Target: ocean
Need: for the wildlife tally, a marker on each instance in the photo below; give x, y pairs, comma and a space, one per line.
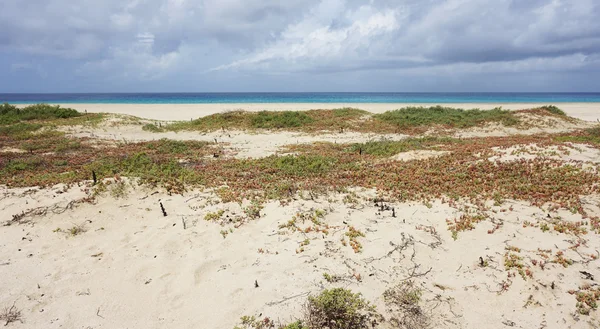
325, 97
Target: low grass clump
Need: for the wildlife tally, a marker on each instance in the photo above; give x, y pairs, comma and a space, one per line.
388, 148
466, 222
119, 189
50, 141
331, 278
27, 123
10, 114
174, 147
152, 128
19, 131
295, 325
589, 136
309, 121
587, 299
251, 322
408, 120
353, 234
340, 308
225, 120
339, 120
302, 165
512, 261
279, 120
403, 302
554, 110
410, 117
214, 216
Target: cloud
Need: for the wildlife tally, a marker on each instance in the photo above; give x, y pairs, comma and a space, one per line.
434, 32
328, 32
158, 40
137, 60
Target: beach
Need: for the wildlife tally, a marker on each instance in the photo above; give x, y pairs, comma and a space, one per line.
120, 220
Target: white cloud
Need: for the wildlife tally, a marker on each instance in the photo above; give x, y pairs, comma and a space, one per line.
157, 39
316, 38
336, 36
138, 60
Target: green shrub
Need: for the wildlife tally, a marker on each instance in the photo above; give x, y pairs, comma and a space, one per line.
349, 112
17, 165
7, 109
594, 132
10, 114
295, 325
67, 144
152, 128
229, 120
389, 148
590, 135
339, 308
251, 322
169, 146
303, 164
553, 109
287, 119
438, 115
19, 130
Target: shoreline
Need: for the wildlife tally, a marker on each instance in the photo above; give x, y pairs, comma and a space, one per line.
179, 112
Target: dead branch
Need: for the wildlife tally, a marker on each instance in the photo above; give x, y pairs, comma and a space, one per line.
286, 299
11, 314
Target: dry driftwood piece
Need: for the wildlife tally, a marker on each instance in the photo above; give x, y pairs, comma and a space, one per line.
11, 314
24, 216
163, 209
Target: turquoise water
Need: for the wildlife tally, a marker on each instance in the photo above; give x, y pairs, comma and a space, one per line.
208, 98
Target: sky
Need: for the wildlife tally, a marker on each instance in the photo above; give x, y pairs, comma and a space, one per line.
299, 45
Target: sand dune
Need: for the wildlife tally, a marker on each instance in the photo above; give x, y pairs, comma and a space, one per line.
81, 257
584, 111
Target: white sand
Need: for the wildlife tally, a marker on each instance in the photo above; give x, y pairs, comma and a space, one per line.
134, 268
131, 267
584, 111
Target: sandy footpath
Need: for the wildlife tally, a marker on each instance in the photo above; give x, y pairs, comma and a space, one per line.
584, 111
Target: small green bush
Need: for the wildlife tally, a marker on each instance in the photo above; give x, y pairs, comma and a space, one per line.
348, 112
217, 121
389, 148
19, 130
554, 110
251, 322
152, 128
10, 114
438, 115
169, 146
303, 164
295, 325
17, 165
287, 119
594, 132
590, 135
339, 308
